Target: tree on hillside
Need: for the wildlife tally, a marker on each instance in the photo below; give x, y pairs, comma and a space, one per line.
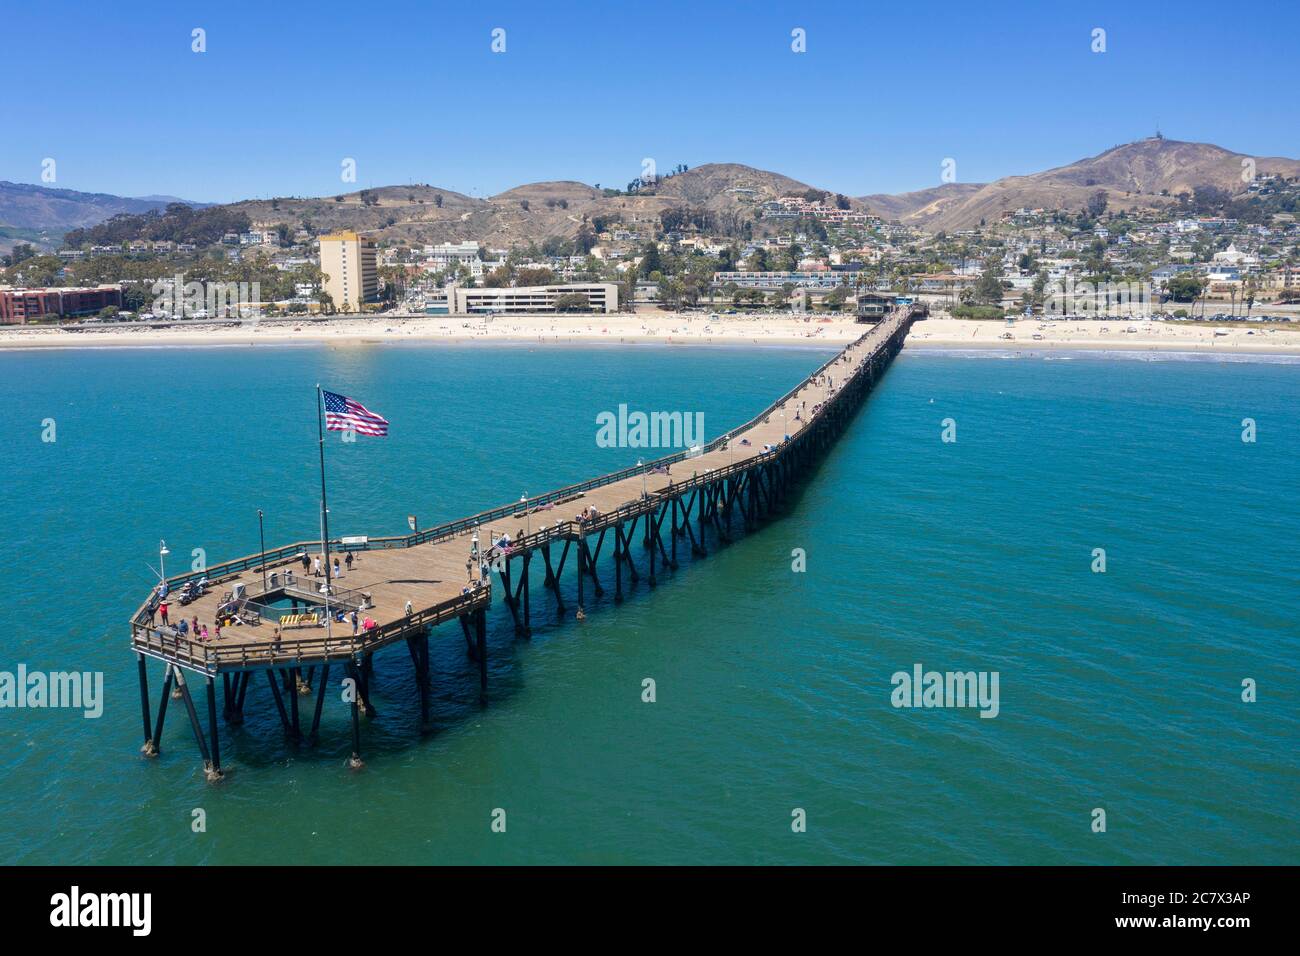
988, 289
21, 251
1097, 203
535, 276
650, 261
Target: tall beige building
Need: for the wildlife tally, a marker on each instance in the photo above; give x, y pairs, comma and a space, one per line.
348, 261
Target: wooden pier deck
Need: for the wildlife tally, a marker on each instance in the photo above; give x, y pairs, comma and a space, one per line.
740, 475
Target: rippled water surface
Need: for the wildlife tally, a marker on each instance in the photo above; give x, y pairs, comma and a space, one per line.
1119, 691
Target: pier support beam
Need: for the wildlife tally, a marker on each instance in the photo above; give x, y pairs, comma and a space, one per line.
241, 682
365, 670
523, 588
292, 690
418, 645
213, 772
321, 690
672, 531
154, 747
144, 700
651, 534
618, 582
355, 762
480, 640
183, 685
582, 556
279, 700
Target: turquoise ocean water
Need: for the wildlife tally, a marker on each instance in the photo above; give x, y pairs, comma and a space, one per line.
1119, 691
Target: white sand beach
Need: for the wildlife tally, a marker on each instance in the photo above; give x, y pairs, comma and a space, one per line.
1107, 335
674, 329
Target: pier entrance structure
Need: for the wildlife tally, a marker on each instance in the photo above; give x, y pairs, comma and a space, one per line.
292, 635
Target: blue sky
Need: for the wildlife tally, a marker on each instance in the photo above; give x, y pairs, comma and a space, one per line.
585, 91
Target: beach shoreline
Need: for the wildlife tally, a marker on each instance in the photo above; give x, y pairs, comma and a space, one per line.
664, 328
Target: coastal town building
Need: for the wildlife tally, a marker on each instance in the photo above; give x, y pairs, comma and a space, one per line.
18, 306
526, 300
348, 261
818, 279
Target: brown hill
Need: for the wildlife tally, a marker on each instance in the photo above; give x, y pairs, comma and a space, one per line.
724, 186
1145, 174
532, 212
922, 205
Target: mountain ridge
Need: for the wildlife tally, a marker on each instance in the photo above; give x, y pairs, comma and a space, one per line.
1145, 173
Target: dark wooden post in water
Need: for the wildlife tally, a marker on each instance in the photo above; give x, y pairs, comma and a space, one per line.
527, 630
354, 672
214, 773
582, 556
155, 746
292, 689
480, 639
618, 578
418, 645
321, 690
649, 543
144, 702
279, 700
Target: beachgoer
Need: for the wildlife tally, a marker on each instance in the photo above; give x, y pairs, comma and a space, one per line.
205, 633
218, 627
354, 623
409, 609
183, 627
315, 566
162, 609
306, 564
337, 572
348, 560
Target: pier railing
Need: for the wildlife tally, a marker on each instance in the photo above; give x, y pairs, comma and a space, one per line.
213, 655
286, 553
632, 509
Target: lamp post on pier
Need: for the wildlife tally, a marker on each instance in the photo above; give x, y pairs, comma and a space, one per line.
261, 535
162, 563
528, 519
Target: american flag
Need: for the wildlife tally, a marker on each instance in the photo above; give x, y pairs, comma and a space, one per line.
344, 414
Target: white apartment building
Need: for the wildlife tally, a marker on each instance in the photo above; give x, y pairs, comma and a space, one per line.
348, 261
530, 300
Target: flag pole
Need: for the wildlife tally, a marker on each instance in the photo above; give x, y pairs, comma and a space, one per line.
324, 506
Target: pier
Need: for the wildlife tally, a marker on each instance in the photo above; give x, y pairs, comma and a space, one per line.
402, 587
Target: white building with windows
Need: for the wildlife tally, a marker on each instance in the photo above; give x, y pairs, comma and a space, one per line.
530, 300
